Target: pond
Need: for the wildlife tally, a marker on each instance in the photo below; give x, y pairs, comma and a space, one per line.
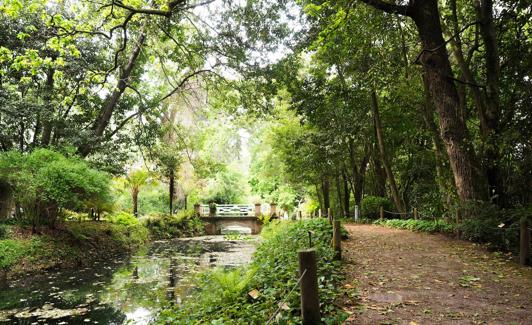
120, 291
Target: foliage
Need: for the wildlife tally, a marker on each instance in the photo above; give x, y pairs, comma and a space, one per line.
265, 218
499, 228
431, 226
75, 244
225, 187
4, 231
183, 224
222, 298
123, 218
44, 182
11, 251
371, 205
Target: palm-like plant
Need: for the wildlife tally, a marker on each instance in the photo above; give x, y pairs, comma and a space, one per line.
134, 181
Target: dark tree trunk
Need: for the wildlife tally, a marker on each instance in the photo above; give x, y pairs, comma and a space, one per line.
48, 116
339, 194
171, 190
384, 155
326, 197
135, 198
346, 194
21, 136
443, 177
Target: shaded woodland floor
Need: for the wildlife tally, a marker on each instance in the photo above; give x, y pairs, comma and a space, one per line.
401, 277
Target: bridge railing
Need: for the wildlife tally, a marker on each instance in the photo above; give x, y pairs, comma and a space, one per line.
234, 210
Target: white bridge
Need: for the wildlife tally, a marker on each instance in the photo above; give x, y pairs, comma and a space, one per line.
225, 217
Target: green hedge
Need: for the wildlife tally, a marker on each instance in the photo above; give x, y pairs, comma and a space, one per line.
430, 226
222, 296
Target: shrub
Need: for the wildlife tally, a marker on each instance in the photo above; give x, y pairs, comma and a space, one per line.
370, 206
222, 296
45, 182
183, 224
431, 226
4, 231
10, 252
123, 218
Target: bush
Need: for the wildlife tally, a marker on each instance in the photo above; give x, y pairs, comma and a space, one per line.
45, 182
123, 218
370, 206
431, 226
4, 231
183, 224
10, 252
222, 296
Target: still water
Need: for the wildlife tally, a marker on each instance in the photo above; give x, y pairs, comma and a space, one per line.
120, 291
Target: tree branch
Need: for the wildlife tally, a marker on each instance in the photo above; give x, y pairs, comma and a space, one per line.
390, 8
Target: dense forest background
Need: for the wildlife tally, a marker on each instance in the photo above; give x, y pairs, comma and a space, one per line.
309, 104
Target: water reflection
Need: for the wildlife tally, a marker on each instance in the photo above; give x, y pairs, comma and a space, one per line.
118, 291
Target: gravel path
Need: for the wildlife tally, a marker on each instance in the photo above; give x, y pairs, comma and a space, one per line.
401, 277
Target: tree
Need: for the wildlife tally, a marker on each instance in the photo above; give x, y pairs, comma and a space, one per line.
135, 180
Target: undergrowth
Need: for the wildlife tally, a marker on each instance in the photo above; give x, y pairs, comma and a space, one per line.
430, 226
182, 224
224, 297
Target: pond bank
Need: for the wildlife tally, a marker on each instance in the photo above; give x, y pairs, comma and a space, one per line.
121, 290
71, 245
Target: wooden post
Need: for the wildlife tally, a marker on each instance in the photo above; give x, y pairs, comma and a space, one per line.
381, 212
257, 210
357, 213
319, 213
300, 215
337, 239
310, 302
273, 210
330, 215
197, 210
524, 241
415, 213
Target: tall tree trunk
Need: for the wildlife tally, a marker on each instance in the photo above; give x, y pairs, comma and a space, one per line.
399, 205
443, 180
435, 60
101, 123
326, 195
171, 191
135, 199
339, 195
493, 110
320, 197
48, 116
346, 194
380, 174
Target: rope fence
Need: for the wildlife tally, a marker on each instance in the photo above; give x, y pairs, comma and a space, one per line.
283, 302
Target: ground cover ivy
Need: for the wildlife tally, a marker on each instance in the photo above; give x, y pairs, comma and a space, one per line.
223, 297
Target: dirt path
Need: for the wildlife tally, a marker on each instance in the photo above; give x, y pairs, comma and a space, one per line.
401, 277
